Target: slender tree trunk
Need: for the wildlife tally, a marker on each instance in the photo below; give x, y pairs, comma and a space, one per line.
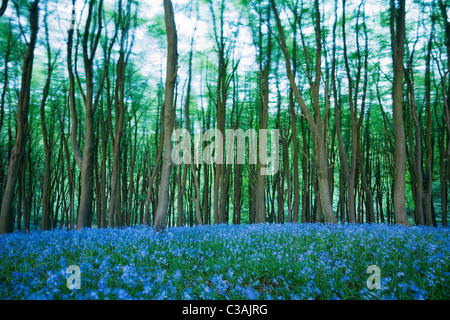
103, 193
3, 7
237, 194
295, 144
318, 127
206, 196
9, 49
416, 154
206, 185
444, 163
133, 194
85, 160
398, 41
295, 162
445, 143
116, 216
220, 197
198, 214
365, 181
345, 168
428, 199
20, 212
281, 174
46, 188
115, 207
264, 72
17, 153
171, 75
351, 178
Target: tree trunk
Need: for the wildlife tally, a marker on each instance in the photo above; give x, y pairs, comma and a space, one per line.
206, 174
220, 197
3, 7
306, 203
198, 214
445, 144
46, 188
295, 162
365, 181
281, 174
85, 160
318, 127
115, 207
18, 151
116, 215
416, 154
398, 41
264, 72
428, 199
171, 75
131, 188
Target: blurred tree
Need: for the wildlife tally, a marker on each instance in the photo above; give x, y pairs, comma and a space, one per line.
3, 7
397, 27
160, 222
18, 152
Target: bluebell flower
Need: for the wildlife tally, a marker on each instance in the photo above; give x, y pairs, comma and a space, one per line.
177, 274
251, 293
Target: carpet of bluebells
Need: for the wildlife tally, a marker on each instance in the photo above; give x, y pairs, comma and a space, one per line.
263, 261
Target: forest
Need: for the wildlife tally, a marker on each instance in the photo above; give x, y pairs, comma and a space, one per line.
92, 92
224, 150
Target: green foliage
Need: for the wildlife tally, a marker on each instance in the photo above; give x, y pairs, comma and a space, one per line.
145, 93
157, 27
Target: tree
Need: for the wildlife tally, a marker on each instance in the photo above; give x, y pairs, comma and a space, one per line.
85, 160
397, 27
116, 136
171, 75
444, 145
93, 141
18, 151
196, 199
46, 188
428, 197
3, 7
317, 124
263, 45
224, 49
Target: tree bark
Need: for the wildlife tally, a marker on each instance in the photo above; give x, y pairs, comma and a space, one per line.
264, 72
18, 151
115, 207
445, 142
198, 214
398, 42
3, 7
221, 180
85, 160
416, 152
171, 75
350, 169
116, 215
46, 188
428, 199
318, 128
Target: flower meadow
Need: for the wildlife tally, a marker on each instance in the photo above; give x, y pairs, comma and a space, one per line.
238, 262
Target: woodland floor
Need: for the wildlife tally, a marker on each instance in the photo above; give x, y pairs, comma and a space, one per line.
263, 261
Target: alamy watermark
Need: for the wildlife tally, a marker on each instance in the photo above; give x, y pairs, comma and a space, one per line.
208, 147
74, 279
374, 281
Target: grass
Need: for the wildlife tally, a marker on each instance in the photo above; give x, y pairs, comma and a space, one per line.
289, 261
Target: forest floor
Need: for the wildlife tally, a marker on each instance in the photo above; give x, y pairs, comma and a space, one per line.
263, 261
